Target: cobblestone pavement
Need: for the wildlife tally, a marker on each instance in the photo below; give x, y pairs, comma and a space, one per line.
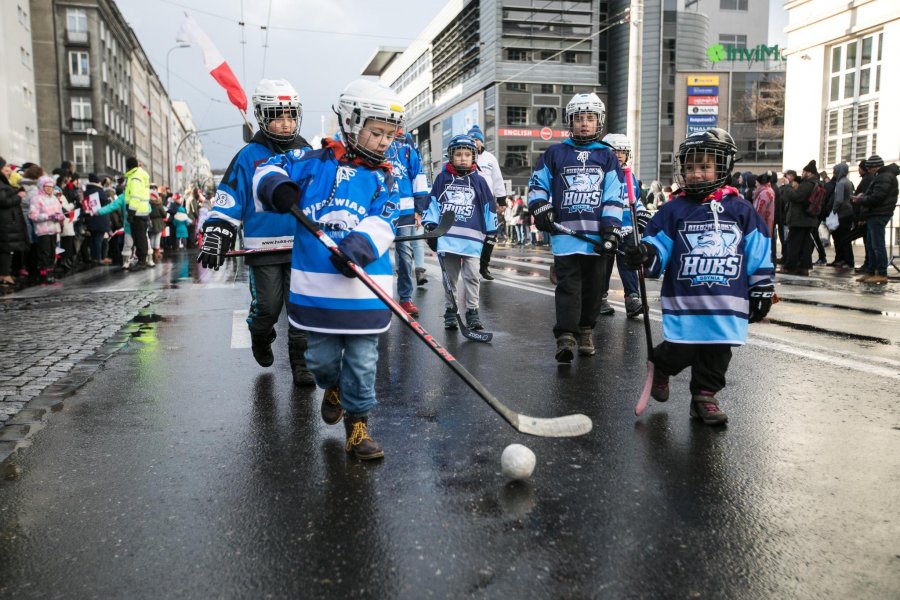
53, 344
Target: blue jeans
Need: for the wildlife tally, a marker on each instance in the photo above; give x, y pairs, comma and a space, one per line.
403, 256
346, 360
876, 251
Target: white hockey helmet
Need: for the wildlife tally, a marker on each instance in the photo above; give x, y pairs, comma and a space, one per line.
620, 143
271, 100
581, 103
360, 101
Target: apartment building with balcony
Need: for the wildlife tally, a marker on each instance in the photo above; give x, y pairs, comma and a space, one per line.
18, 119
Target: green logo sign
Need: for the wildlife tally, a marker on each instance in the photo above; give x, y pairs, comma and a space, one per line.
716, 52
719, 52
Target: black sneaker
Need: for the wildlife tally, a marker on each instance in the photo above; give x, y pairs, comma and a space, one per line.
605, 308
565, 348
486, 274
473, 321
331, 406
450, 320
261, 345
633, 306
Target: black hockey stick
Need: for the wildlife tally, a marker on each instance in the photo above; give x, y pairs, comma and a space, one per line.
584, 238
648, 383
478, 336
567, 426
443, 227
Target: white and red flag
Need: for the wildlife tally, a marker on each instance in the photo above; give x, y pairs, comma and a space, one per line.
191, 33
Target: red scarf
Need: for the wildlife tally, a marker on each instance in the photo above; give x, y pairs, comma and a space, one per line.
452, 170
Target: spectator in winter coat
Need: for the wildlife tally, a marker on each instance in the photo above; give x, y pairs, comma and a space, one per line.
877, 205
841, 204
97, 225
182, 225
764, 201
46, 214
798, 259
158, 217
13, 234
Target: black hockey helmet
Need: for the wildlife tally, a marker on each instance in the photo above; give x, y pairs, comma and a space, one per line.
715, 142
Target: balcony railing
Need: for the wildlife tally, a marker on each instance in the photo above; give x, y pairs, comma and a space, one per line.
81, 124
79, 80
76, 37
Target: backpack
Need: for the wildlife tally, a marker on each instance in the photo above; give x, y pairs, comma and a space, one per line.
816, 199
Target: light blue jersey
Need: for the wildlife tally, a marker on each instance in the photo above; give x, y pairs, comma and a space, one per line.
475, 206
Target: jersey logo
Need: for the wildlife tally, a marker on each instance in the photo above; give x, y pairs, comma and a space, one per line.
712, 257
583, 191
461, 200
223, 200
345, 173
391, 212
582, 156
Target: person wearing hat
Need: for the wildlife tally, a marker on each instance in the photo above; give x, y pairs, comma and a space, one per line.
877, 205
801, 226
13, 233
99, 226
490, 170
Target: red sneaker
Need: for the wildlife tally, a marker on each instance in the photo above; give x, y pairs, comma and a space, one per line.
410, 308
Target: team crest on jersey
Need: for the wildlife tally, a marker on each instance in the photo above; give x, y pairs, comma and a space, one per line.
583, 188
461, 200
345, 173
713, 257
223, 200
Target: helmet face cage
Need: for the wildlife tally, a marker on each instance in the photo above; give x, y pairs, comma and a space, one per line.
461, 142
268, 111
691, 154
585, 103
371, 156
354, 111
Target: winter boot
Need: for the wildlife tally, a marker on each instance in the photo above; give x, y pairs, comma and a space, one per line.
605, 308
420, 276
633, 306
586, 341
450, 320
297, 355
659, 391
262, 348
331, 406
473, 321
486, 273
359, 444
565, 348
705, 407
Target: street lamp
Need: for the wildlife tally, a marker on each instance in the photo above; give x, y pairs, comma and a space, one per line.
169, 53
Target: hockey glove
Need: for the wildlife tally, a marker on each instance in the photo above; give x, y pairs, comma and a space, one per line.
354, 248
430, 242
486, 251
544, 215
218, 237
760, 302
640, 256
609, 242
643, 217
284, 196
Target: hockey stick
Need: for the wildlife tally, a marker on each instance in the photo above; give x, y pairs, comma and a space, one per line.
566, 231
250, 251
443, 227
478, 336
566, 426
648, 383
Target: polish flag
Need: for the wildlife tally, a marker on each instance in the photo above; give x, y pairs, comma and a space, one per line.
191, 33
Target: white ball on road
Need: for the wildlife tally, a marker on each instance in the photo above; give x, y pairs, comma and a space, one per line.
517, 462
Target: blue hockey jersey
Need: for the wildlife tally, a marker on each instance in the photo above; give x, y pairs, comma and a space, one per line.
410, 177
586, 186
711, 252
343, 197
235, 203
470, 197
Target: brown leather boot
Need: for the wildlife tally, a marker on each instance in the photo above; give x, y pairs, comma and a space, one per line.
586, 341
659, 391
331, 406
359, 444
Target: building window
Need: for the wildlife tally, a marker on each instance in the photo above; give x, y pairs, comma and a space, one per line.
516, 54
81, 113
569, 57
25, 57
568, 89
550, 55
733, 5
547, 88
517, 115
547, 116
79, 69
516, 87
23, 17
733, 39
516, 157
76, 20
83, 156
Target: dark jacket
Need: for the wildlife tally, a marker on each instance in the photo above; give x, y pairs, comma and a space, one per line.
13, 235
881, 197
158, 215
98, 223
796, 216
864, 183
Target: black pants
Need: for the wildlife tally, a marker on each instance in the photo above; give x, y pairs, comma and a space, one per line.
6, 259
67, 243
270, 288
46, 252
859, 232
139, 235
798, 253
708, 363
581, 283
843, 247
820, 247
96, 246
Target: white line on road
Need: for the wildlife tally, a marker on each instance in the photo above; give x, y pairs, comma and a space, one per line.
240, 335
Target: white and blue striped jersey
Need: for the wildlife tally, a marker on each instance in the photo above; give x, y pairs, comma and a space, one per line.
406, 168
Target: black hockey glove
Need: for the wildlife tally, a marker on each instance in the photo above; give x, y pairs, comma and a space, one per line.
284, 196
643, 217
544, 215
431, 242
218, 237
640, 256
760, 302
609, 242
355, 248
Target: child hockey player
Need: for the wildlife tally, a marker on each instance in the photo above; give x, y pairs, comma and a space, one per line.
621, 145
489, 168
279, 113
714, 250
460, 189
583, 180
347, 188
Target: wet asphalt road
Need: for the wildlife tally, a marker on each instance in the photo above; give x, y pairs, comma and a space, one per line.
184, 470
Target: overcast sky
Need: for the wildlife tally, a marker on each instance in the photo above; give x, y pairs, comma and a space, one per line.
337, 38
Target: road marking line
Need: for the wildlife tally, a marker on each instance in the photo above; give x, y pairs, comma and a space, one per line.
240, 334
